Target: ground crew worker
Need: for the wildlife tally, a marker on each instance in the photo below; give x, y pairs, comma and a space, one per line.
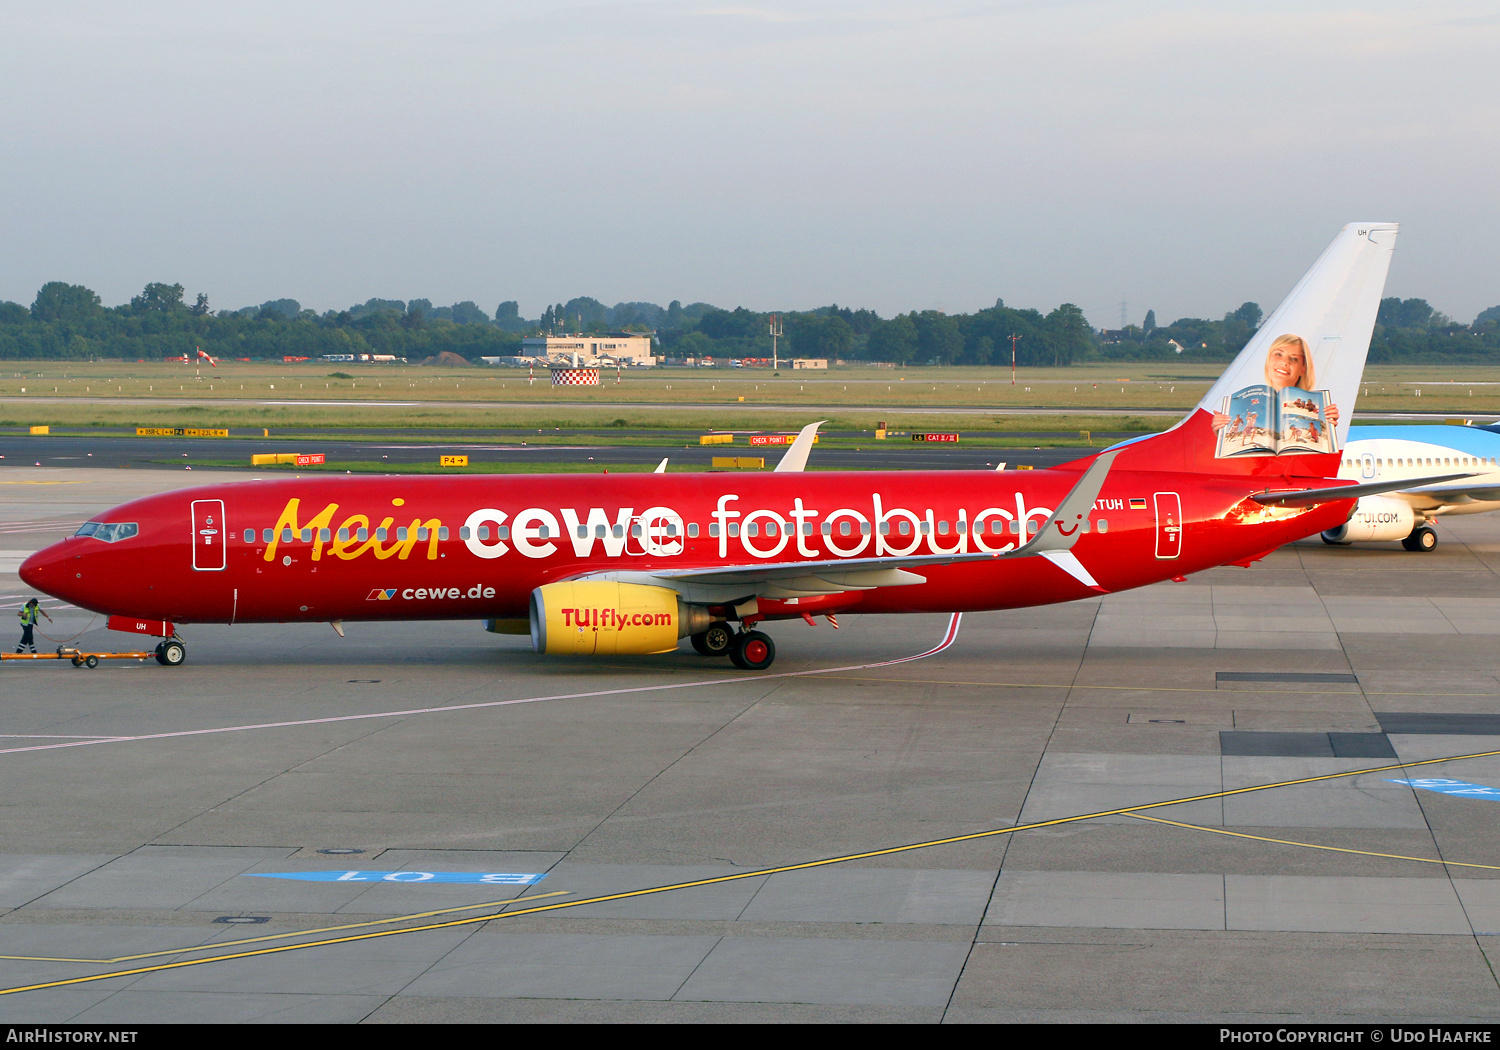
28, 616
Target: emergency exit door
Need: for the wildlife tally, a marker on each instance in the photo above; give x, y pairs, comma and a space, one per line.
208, 534
1168, 525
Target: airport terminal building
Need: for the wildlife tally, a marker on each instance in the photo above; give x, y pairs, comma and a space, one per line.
629, 348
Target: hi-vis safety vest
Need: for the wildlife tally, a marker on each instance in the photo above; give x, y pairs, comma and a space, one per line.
28, 615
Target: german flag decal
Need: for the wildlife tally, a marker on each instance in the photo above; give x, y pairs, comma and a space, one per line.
1137, 504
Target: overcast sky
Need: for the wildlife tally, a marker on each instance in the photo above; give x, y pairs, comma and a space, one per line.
1182, 156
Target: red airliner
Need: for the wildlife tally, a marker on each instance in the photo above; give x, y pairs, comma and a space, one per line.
633, 563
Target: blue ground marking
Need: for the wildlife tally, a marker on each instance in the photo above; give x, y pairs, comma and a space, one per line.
487, 878
1452, 787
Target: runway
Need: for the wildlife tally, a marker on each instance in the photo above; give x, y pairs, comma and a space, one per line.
575, 450
1181, 803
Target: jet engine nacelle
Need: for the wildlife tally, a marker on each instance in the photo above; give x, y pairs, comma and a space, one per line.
602, 617
1375, 518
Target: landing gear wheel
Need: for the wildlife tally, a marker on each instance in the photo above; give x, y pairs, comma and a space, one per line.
171, 653
716, 641
1423, 538
752, 651
91, 661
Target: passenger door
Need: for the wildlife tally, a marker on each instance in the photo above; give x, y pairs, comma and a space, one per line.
1168, 525
208, 534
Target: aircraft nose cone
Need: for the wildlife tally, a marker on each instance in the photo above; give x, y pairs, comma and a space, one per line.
41, 571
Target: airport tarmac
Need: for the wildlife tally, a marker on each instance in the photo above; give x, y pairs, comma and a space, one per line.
574, 450
248, 837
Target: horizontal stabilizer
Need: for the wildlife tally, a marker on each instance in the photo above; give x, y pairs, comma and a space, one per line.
1307, 497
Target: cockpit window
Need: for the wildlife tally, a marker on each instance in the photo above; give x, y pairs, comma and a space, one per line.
109, 532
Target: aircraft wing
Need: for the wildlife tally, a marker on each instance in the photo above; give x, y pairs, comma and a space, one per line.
795, 458
1054, 541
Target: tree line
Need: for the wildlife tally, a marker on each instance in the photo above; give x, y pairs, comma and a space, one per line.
68, 321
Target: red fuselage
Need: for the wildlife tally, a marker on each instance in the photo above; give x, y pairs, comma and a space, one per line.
409, 548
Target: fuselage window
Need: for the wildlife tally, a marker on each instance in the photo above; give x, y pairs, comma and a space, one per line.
380, 533
249, 535
307, 535
904, 527
422, 533
864, 528
442, 532
1103, 525
734, 528
484, 532
1015, 528
286, 535
362, 534
463, 532
599, 531
692, 530
752, 529
325, 535
713, 529
343, 535
401, 532
267, 535
635, 530
502, 532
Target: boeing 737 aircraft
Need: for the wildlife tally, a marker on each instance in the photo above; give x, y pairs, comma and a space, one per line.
1405, 453
613, 564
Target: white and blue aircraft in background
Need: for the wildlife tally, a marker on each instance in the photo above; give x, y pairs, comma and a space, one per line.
1374, 453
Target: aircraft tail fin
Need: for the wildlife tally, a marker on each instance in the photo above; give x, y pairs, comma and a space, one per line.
1283, 406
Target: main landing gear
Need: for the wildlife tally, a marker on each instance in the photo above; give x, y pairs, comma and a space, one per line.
747, 650
752, 651
1423, 538
171, 653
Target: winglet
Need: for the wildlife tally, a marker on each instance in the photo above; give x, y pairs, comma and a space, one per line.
796, 456
661, 468
1065, 525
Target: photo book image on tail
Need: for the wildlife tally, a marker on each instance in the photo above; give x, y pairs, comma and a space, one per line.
1264, 421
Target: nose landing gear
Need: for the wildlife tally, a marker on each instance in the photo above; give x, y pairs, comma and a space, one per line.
171, 653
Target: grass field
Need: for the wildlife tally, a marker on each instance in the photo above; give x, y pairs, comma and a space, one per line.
1085, 397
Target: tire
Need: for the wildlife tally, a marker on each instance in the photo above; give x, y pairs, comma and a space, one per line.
77, 661
1423, 539
718, 640
172, 654
752, 651
91, 661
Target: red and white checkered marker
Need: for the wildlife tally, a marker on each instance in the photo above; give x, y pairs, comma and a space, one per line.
575, 377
